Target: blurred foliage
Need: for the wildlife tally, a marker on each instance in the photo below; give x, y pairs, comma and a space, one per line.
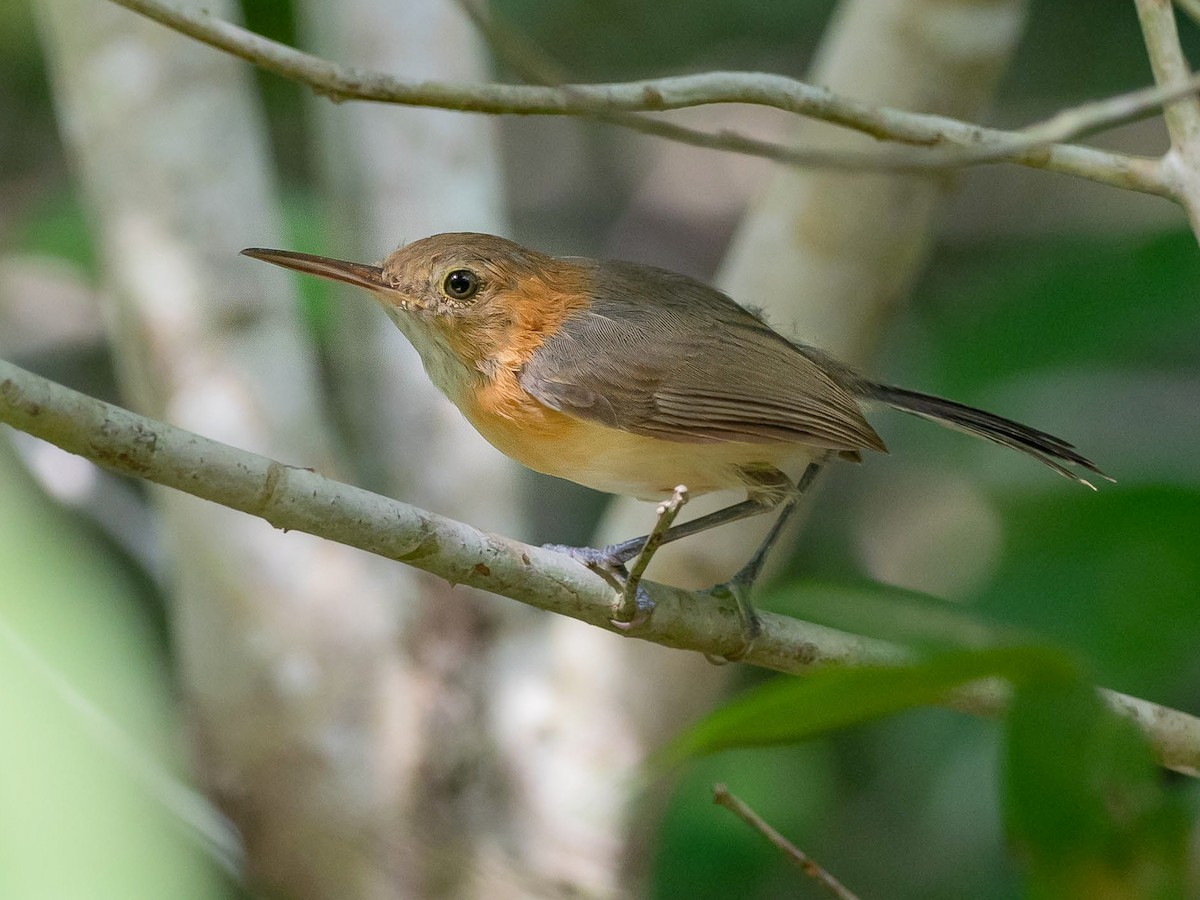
908, 618
1116, 578
1020, 307
56, 226
1084, 805
1083, 800
705, 852
1052, 63
1115, 575
284, 101
304, 227
624, 39
786, 710
89, 719
29, 128
912, 806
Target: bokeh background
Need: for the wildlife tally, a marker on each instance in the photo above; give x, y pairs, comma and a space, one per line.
1064, 304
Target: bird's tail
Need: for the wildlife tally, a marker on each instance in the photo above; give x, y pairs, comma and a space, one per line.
1046, 448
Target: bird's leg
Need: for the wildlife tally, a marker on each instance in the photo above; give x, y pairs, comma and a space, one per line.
631, 603
749, 573
741, 584
614, 556
610, 561
768, 488
632, 600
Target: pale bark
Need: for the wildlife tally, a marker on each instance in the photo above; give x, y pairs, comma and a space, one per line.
285, 646
1181, 164
829, 257
393, 175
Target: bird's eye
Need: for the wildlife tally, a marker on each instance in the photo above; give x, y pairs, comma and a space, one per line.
461, 284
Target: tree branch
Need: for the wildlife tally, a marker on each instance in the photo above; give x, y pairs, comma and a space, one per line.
1161, 34
1034, 146
288, 649
1181, 165
292, 498
953, 143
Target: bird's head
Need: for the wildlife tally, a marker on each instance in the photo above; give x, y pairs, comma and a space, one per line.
475, 299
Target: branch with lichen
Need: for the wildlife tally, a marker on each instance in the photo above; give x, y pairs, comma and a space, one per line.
943, 143
295, 498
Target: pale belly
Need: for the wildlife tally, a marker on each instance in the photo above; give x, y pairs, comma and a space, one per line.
632, 465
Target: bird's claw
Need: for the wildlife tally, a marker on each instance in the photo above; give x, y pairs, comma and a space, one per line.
626, 615
750, 622
630, 616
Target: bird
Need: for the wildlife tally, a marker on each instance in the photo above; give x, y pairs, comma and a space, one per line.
633, 380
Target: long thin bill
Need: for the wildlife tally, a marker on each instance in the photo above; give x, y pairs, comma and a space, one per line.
357, 274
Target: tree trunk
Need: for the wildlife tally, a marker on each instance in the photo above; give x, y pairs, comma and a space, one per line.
285, 643
829, 257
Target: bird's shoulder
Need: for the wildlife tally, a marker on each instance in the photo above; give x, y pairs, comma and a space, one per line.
660, 353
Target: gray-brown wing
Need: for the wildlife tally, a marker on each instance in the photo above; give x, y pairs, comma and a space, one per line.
664, 355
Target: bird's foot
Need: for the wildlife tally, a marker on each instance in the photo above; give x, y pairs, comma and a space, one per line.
739, 590
602, 559
629, 616
631, 605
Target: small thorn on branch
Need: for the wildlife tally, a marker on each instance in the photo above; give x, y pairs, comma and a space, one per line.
791, 852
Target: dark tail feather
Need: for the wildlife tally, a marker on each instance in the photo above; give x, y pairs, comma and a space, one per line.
1053, 452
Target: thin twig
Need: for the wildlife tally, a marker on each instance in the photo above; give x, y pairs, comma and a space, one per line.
955, 143
1036, 146
791, 852
1161, 35
1181, 165
626, 608
299, 499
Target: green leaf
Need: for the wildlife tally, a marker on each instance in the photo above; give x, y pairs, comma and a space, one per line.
1083, 803
793, 709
